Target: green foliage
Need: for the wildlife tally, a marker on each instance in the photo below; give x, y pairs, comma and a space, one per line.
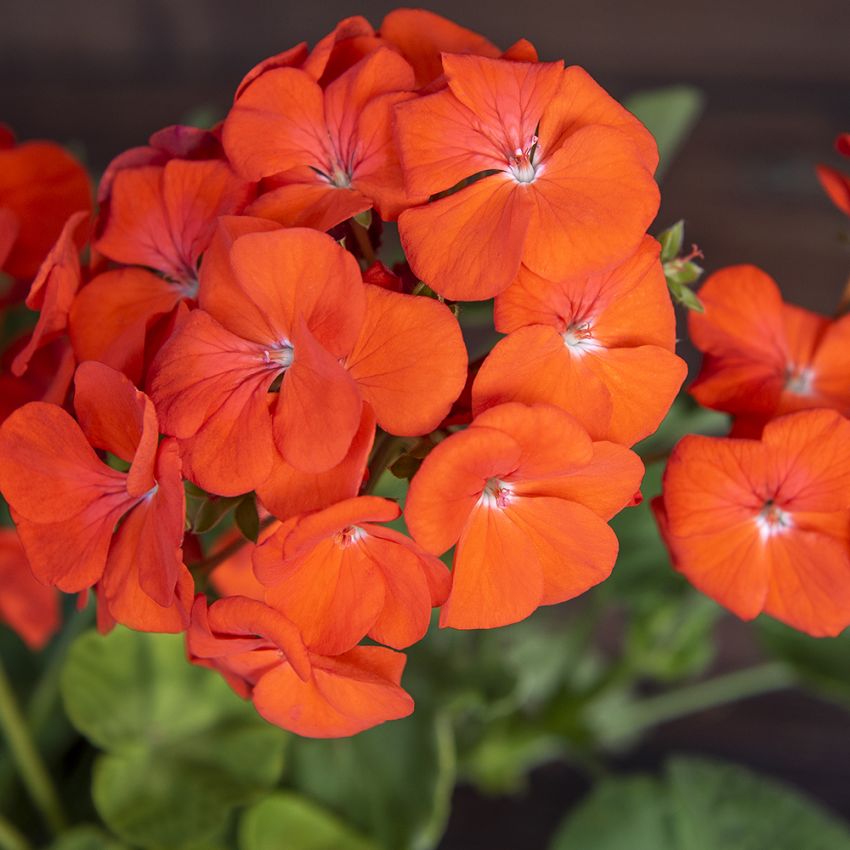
669, 113
294, 823
247, 519
87, 838
681, 272
392, 783
182, 750
699, 805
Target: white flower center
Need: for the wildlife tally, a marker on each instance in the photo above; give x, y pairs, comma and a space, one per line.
524, 164
578, 338
799, 381
496, 494
281, 356
773, 520
349, 536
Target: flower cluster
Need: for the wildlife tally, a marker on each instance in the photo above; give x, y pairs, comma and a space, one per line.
760, 521
235, 340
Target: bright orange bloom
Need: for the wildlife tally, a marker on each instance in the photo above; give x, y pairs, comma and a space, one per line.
28, 606
53, 291
836, 183
260, 654
548, 171
331, 152
66, 502
422, 37
526, 495
340, 577
41, 186
48, 377
765, 525
289, 308
161, 218
762, 357
598, 346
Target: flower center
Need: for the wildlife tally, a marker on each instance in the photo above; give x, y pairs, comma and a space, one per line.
341, 179
496, 494
349, 536
280, 356
773, 520
578, 337
798, 380
524, 163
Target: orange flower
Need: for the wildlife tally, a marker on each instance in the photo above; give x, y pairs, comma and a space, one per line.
765, 525
41, 186
161, 218
331, 152
547, 170
340, 577
836, 184
48, 377
289, 308
66, 502
763, 358
28, 606
53, 291
260, 654
422, 36
598, 346
526, 495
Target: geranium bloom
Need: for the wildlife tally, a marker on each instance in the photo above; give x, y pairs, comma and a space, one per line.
836, 183
340, 577
331, 151
288, 310
598, 346
763, 358
66, 502
765, 525
48, 376
422, 37
41, 186
526, 495
28, 606
160, 218
549, 171
261, 655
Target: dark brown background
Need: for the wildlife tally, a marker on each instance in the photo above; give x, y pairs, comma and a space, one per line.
103, 74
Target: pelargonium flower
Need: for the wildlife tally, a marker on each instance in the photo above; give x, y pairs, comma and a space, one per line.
66, 502
525, 163
261, 655
764, 525
287, 309
159, 221
340, 576
599, 346
525, 495
331, 151
762, 357
41, 187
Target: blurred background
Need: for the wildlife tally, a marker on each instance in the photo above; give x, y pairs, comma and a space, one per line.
101, 75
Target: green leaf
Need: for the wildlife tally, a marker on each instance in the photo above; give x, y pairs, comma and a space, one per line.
364, 219
699, 805
182, 749
86, 838
247, 519
671, 241
393, 783
822, 662
688, 298
670, 114
288, 822
210, 511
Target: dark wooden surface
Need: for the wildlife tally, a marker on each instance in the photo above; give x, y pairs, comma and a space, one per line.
102, 74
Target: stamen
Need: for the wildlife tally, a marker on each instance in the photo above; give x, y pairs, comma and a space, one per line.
798, 381
281, 357
773, 520
349, 535
496, 494
523, 164
578, 337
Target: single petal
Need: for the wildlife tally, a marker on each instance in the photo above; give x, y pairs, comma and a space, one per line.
409, 361
468, 246
314, 203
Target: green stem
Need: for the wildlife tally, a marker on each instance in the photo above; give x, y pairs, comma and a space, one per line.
361, 234
10, 838
721, 690
383, 455
33, 771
